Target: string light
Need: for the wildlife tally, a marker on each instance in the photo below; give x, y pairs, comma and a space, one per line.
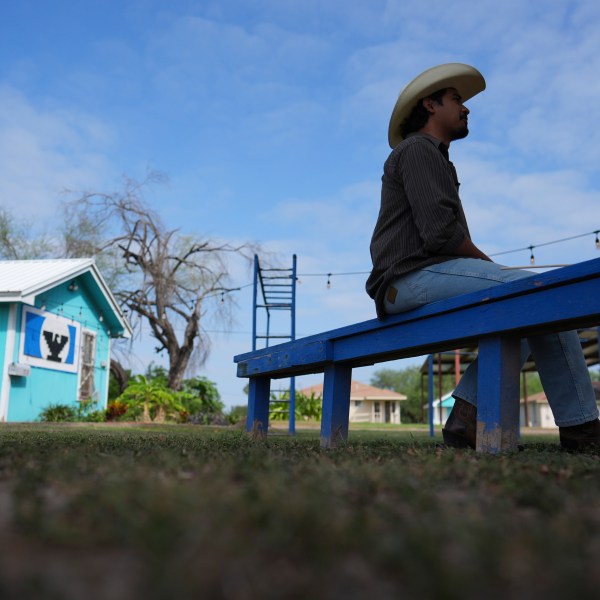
531, 248
566, 239
329, 275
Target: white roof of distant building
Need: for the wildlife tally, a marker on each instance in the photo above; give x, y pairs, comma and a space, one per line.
359, 391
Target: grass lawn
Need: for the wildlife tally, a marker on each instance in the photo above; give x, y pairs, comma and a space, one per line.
172, 511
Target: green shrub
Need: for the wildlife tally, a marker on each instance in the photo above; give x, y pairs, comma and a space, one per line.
85, 411
151, 401
307, 407
200, 395
58, 413
237, 414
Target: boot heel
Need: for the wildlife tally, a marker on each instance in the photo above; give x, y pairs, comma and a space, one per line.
456, 440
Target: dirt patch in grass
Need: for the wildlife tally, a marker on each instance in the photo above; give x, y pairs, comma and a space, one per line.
188, 512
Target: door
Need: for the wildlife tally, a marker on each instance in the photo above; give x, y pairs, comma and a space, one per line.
86, 365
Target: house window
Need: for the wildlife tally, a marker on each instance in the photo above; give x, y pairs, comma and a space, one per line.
377, 412
86, 376
357, 403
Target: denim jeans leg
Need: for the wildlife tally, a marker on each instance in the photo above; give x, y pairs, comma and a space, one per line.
565, 377
448, 279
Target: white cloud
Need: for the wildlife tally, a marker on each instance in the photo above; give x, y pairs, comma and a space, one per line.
45, 150
508, 210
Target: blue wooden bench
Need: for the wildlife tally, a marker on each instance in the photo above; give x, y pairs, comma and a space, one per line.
495, 319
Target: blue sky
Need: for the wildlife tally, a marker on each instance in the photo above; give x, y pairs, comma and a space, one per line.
270, 119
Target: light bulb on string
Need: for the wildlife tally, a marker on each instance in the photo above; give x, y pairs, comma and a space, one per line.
532, 257
597, 240
328, 281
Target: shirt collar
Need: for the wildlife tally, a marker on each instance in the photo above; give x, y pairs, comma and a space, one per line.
437, 143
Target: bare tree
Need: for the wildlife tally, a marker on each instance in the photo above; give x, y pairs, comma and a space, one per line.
163, 278
17, 242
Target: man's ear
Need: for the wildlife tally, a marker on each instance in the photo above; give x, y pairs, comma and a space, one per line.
428, 104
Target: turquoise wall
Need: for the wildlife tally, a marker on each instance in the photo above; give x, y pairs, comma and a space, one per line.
3, 327
30, 395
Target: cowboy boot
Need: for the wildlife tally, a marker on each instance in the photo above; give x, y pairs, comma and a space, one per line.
461, 427
578, 438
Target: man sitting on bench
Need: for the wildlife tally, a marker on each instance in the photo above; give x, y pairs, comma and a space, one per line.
422, 251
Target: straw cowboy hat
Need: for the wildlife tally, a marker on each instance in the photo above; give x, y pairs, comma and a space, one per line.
466, 79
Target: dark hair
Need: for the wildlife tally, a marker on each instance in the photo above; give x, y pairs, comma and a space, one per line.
419, 115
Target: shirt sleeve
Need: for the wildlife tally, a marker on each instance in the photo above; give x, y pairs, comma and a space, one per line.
433, 198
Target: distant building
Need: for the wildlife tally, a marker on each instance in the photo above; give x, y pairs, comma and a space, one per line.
441, 413
368, 404
57, 318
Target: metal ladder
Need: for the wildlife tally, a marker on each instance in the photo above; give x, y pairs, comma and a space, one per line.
278, 293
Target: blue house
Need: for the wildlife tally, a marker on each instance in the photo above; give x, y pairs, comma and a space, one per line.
57, 319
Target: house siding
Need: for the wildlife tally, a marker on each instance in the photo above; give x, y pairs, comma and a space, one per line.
364, 411
4, 308
29, 395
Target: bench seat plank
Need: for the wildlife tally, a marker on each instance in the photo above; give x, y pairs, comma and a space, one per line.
450, 325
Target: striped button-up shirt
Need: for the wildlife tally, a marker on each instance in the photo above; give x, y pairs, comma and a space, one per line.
421, 219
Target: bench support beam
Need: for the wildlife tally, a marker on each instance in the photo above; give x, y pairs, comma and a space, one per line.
336, 405
259, 391
498, 394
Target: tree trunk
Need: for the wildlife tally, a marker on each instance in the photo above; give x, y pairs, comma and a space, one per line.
120, 374
177, 370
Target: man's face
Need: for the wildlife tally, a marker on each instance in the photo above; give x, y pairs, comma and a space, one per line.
452, 115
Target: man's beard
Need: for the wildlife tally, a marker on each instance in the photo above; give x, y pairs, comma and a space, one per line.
460, 132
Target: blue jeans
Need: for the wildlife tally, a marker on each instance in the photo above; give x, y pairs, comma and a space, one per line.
558, 356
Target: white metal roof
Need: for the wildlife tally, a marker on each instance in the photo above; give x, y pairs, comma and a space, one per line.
23, 280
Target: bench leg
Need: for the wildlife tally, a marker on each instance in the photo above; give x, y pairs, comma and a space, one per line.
336, 405
498, 394
259, 390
